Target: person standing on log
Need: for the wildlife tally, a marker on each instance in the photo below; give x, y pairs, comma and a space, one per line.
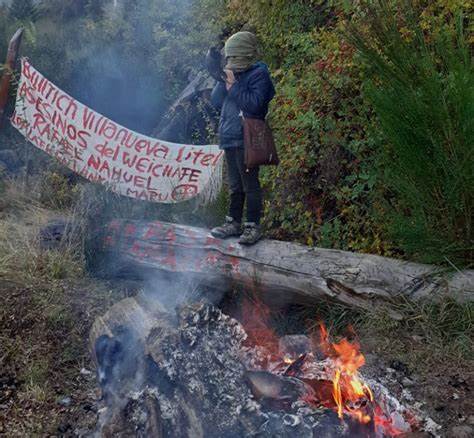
246, 92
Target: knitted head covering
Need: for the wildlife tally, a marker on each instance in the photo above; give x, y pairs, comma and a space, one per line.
241, 51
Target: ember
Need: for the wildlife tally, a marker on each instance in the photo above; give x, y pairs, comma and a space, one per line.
203, 365
333, 383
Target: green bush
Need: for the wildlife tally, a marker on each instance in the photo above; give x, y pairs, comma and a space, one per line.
324, 190
421, 86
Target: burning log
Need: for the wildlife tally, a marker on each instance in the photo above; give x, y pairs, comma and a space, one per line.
298, 272
194, 374
189, 381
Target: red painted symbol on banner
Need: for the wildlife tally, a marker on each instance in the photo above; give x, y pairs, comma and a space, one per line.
184, 191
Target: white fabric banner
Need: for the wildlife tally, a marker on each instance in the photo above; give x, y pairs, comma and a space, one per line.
102, 151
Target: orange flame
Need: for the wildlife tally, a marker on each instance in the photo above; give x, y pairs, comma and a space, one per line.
350, 393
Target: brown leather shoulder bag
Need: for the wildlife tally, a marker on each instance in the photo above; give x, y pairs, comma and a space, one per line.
259, 143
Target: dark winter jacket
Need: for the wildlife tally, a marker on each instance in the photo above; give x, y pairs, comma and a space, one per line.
251, 95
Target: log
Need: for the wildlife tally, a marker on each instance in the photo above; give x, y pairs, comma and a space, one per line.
185, 376
274, 268
12, 55
192, 373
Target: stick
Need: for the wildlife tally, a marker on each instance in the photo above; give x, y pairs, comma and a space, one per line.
12, 56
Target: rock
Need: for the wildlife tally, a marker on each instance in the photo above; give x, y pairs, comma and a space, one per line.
461, 432
470, 419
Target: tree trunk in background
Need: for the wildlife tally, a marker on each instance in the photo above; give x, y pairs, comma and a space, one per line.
273, 268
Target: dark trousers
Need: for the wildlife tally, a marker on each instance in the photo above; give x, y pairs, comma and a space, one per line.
243, 185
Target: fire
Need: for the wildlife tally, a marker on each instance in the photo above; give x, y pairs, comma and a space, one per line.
346, 392
350, 393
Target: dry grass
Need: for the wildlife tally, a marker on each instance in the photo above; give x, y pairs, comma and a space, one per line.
429, 335
23, 262
48, 307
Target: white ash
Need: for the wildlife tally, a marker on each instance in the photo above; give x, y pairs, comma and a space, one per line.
196, 378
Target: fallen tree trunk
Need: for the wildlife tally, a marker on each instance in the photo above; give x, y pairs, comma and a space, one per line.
271, 267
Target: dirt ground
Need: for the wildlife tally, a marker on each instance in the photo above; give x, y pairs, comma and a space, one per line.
47, 380
442, 389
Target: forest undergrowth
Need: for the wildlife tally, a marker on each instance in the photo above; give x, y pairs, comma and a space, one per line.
373, 114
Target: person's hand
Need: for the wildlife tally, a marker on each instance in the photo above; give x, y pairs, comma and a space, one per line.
230, 79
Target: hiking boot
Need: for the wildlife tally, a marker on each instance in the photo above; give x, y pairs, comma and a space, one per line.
251, 235
231, 228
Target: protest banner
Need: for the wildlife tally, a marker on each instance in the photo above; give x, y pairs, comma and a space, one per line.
90, 144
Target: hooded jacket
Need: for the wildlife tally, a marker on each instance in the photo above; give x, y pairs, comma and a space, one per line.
251, 95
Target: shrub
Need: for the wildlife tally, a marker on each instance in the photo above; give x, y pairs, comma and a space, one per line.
323, 192
56, 191
421, 86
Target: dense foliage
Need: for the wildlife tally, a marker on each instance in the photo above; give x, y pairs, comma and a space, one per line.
374, 118
421, 86
373, 114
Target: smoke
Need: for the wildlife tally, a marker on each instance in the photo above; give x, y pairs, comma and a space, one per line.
124, 368
127, 59
116, 74
122, 88
171, 291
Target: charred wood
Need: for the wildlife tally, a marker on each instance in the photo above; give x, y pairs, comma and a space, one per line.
186, 378
12, 55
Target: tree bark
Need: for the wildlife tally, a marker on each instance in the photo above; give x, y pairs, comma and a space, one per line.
12, 56
299, 273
